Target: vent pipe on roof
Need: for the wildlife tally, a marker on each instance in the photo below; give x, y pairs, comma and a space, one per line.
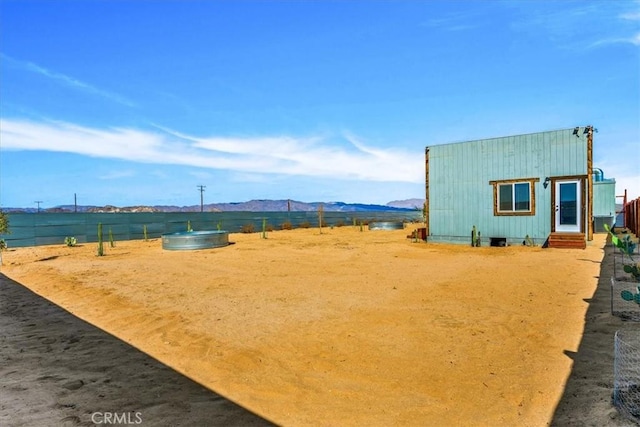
598, 175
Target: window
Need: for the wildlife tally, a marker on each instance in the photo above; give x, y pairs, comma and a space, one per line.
514, 197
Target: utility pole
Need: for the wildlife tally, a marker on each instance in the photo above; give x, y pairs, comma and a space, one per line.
38, 203
201, 188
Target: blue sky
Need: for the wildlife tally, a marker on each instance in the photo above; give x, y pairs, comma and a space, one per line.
139, 102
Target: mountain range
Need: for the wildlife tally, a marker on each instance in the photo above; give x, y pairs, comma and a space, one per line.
249, 206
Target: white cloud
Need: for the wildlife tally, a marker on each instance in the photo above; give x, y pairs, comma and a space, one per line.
66, 80
286, 155
255, 178
201, 174
458, 21
118, 174
580, 25
631, 16
634, 40
629, 183
624, 171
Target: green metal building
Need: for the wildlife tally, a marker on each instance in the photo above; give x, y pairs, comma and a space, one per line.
537, 188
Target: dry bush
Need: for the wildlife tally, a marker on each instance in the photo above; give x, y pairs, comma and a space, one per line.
248, 228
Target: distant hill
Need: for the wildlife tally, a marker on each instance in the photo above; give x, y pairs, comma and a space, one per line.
249, 206
407, 204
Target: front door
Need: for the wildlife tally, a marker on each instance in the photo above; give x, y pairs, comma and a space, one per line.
568, 205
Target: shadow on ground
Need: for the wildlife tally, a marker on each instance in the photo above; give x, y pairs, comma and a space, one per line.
586, 400
57, 369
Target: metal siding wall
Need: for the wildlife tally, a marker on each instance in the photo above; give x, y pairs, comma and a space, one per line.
604, 198
569, 153
461, 196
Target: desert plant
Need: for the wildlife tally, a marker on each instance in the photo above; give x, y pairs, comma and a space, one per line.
4, 223
100, 246
286, 225
189, 229
320, 216
219, 225
305, 224
631, 296
3, 247
144, 232
248, 228
627, 247
111, 242
475, 237
528, 241
70, 241
633, 269
264, 228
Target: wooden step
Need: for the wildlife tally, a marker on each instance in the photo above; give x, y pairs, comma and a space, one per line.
567, 241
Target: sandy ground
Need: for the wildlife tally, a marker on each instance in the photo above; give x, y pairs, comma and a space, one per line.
57, 370
341, 328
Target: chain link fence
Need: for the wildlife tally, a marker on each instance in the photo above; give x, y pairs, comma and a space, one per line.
29, 229
626, 374
625, 290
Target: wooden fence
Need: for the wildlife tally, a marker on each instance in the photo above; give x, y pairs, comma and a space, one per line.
632, 216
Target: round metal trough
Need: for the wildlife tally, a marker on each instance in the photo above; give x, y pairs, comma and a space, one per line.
386, 225
188, 240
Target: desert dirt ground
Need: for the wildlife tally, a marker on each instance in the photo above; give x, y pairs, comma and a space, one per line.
343, 326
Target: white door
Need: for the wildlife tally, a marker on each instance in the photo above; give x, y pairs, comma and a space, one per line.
568, 206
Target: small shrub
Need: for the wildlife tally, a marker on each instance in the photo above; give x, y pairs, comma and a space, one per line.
70, 241
339, 223
248, 228
305, 224
286, 225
